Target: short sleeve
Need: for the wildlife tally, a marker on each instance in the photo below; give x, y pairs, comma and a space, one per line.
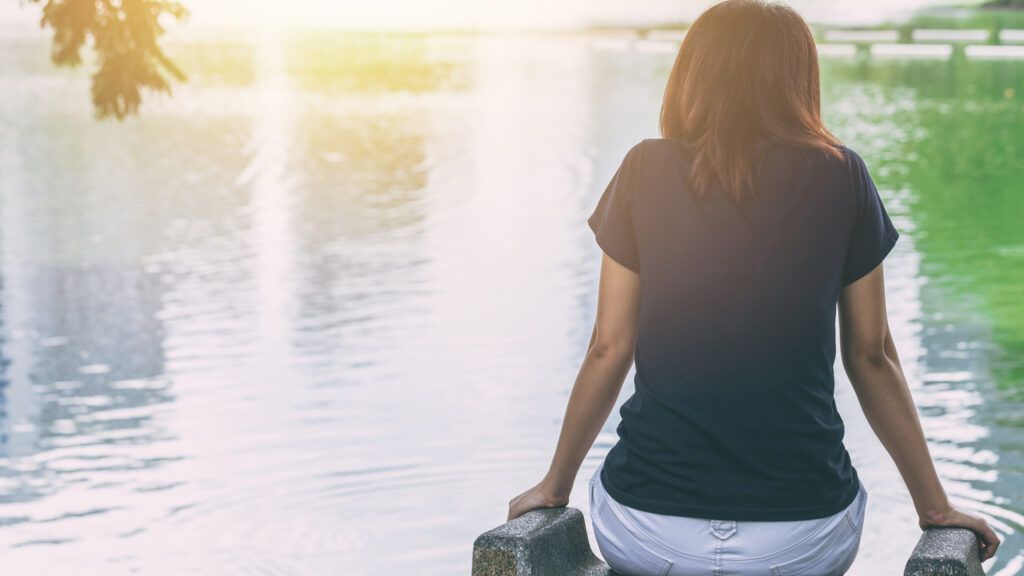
612, 219
873, 235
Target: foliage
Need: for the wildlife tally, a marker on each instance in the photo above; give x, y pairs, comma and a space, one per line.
124, 34
1004, 3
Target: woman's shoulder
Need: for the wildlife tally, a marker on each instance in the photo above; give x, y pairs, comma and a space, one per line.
657, 144
655, 152
659, 158
825, 157
659, 149
678, 144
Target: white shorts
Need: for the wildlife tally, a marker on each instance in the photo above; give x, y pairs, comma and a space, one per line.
638, 543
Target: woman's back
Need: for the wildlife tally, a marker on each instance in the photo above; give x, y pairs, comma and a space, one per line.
729, 244
733, 414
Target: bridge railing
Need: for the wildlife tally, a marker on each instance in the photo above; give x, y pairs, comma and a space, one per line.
553, 542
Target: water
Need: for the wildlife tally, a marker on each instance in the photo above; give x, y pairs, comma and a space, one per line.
321, 310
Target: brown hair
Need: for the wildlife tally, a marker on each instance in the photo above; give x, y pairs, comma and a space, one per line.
746, 72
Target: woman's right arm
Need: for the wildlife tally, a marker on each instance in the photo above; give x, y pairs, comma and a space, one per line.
869, 357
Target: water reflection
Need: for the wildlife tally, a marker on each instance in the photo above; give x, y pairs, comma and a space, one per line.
321, 310
944, 141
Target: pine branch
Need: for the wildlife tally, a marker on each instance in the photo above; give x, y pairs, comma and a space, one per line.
125, 35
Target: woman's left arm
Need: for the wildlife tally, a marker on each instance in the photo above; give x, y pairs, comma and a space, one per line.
609, 356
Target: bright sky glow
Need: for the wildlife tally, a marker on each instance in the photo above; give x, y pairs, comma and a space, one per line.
486, 14
422, 14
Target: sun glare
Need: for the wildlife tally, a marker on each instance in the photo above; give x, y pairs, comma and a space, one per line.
474, 14
348, 14
462, 14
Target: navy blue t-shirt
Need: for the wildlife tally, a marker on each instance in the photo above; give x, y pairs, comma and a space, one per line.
734, 415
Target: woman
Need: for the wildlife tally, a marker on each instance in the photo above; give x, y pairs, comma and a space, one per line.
727, 246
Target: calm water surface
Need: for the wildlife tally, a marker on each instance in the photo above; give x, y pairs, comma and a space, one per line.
321, 311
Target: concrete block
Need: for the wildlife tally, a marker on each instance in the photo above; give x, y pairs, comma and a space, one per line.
546, 542
945, 552
553, 542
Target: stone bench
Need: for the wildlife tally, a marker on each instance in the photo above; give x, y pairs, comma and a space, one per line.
553, 542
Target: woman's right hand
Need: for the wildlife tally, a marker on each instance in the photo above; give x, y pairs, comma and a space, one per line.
988, 539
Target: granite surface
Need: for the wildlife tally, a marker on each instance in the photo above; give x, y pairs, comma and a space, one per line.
553, 542
945, 552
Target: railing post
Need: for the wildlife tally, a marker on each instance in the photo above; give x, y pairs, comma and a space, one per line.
546, 542
553, 542
945, 552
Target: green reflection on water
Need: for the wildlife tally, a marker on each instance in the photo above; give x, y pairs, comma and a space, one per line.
950, 136
357, 62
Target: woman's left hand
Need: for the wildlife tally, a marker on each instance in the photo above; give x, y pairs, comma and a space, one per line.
537, 497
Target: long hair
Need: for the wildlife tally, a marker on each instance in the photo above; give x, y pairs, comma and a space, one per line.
746, 73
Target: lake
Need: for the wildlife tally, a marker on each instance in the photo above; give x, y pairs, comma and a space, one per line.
320, 310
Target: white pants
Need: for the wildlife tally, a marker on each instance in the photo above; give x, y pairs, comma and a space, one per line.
638, 543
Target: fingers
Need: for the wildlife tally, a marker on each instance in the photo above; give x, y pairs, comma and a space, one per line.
989, 541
